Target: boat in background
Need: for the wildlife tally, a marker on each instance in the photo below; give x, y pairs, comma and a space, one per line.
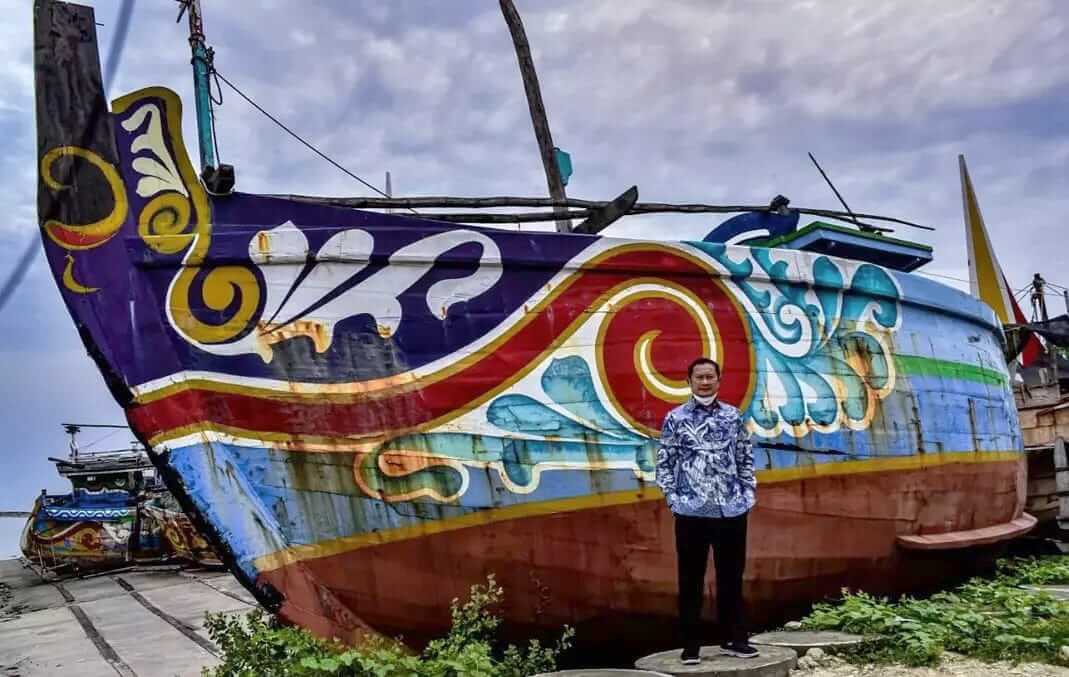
1040, 373
117, 513
367, 413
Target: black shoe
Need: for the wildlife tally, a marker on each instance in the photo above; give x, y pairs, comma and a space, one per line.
739, 650
691, 656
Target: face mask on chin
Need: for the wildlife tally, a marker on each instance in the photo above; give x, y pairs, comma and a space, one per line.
704, 401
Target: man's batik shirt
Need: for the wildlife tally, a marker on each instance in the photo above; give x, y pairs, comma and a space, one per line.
705, 462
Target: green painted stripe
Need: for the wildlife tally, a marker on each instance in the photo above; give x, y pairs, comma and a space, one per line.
927, 366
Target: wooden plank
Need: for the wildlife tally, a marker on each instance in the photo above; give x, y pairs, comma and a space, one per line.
1038, 436
1061, 481
600, 219
1027, 417
525, 217
954, 540
1061, 421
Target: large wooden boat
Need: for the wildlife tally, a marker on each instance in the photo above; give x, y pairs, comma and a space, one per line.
367, 413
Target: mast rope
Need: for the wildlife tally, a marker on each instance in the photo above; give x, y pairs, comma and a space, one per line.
99, 440
215, 72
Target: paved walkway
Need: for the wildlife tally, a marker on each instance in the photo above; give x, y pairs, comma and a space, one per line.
133, 623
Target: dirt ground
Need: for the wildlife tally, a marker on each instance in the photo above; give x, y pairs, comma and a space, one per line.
952, 666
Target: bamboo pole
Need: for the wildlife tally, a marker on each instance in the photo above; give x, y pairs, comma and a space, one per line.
447, 202
537, 108
524, 217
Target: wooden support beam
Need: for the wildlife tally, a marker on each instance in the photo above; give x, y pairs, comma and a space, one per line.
446, 202
536, 107
525, 217
602, 217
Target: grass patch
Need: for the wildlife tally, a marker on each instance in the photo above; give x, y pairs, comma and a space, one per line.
985, 618
256, 645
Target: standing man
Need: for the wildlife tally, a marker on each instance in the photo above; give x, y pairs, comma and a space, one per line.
705, 469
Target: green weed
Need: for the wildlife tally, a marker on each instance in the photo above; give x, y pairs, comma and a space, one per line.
255, 645
990, 619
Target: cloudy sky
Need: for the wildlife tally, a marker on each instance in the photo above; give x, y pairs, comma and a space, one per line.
692, 100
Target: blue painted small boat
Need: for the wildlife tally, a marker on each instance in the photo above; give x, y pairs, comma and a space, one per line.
116, 514
95, 526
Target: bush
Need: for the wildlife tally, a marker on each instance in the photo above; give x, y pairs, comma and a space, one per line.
254, 645
985, 618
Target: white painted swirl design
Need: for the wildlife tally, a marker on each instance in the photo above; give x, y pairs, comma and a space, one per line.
294, 306
158, 174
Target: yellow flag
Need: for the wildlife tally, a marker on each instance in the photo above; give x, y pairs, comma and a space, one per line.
986, 280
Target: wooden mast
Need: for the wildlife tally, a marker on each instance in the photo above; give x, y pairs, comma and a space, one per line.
538, 110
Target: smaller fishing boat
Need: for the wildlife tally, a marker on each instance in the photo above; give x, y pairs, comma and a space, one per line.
117, 513
1039, 372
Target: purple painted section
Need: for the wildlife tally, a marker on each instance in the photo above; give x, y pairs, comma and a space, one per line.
420, 338
134, 296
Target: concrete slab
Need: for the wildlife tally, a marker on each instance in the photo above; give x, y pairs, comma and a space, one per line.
602, 672
774, 661
803, 640
144, 622
189, 602
147, 643
49, 642
146, 579
91, 589
25, 592
226, 584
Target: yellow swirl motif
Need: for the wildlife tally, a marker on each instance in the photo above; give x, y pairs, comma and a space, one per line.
73, 285
219, 288
89, 235
163, 222
171, 223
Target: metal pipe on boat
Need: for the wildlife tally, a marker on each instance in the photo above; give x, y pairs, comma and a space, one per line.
201, 90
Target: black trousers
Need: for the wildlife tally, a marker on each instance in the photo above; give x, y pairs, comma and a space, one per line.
727, 537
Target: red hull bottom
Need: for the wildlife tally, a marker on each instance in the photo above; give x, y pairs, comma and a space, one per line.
611, 571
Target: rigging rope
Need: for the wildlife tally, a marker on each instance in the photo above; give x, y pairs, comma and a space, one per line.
212, 101
949, 277
99, 440
297, 136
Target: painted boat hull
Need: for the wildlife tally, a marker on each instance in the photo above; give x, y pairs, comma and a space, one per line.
97, 540
611, 570
366, 414
84, 538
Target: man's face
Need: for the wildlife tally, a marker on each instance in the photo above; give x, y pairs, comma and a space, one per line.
704, 381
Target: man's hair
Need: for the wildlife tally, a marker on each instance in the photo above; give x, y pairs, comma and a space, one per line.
702, 360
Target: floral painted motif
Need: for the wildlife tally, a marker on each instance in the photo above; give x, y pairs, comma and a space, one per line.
705, 462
